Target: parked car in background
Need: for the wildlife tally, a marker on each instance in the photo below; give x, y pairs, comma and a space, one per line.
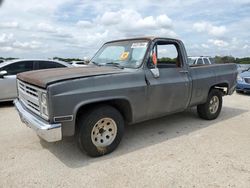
243, 81
202, 60
78, 63
9, 70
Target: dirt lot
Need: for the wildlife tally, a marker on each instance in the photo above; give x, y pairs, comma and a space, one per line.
176, 151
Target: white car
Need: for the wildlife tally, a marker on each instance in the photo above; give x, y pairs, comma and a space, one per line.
9, 70
202, 60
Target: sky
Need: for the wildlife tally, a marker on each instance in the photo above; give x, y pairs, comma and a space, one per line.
77, 28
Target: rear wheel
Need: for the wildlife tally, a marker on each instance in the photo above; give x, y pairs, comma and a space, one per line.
212, 108
101, 130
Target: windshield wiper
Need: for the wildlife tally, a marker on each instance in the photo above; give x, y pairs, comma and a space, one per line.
115, 64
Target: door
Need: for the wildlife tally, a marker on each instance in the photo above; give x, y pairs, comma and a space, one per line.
8, 83
170, 92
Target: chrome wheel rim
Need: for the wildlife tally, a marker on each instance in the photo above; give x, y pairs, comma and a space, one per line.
214, 104
104, 132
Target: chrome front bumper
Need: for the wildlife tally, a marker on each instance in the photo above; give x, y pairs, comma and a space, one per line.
49, 132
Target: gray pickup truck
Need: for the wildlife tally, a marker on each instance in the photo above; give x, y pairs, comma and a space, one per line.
127, 81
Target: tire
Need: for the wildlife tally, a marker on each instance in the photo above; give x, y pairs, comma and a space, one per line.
100, 130
238, 91
212, 108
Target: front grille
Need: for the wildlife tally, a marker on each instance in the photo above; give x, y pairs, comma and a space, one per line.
29, 95
247, 80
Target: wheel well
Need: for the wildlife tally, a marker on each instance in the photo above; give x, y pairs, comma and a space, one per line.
122, 105
222, 86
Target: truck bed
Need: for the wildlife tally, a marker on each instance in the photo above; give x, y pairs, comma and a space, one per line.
205, 76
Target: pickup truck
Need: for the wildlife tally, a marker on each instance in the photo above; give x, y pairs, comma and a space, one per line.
127, 81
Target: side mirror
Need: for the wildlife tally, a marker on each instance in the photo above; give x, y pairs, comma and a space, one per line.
155, 71
3, 73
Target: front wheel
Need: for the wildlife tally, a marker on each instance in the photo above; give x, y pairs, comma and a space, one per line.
212, 108
101, 130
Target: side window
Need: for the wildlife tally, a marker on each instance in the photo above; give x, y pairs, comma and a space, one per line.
206, 61
167, 55
48, 65
199, 62
19, 67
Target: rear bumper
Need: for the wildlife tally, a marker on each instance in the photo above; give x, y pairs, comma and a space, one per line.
49, 132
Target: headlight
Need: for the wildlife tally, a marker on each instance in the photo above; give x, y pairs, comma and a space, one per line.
45, 111
239, 78
44, 108
44, 99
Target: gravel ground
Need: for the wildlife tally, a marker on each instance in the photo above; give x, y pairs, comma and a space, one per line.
180, 150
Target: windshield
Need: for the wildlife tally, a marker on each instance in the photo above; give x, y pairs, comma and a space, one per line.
127, 54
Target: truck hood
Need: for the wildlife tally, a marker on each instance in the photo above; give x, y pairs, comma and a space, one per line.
42, 78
